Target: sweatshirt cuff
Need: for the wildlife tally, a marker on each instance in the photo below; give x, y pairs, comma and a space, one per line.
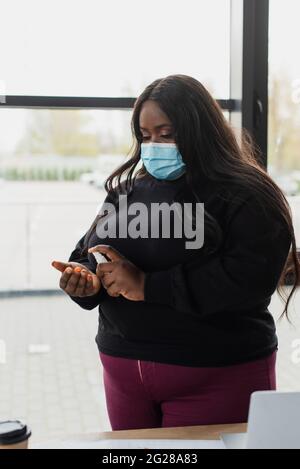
90, 302
158, 288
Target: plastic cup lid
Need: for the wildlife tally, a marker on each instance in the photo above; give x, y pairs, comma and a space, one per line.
13, 431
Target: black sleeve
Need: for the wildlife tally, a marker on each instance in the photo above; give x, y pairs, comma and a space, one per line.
245, 271
89, 302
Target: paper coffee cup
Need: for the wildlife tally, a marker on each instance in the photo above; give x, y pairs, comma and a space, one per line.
14, 434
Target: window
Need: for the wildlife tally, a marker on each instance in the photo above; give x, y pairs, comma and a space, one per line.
284, 156
53, 165
111, 48
284, 101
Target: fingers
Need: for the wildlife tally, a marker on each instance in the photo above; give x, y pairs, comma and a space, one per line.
89, 282
108, 272
113, 291
64, 279
107, 280
79, 282
73, 283
82, 284
90, 288
105, 268
75, 280
110, 252
105, 272
61, 266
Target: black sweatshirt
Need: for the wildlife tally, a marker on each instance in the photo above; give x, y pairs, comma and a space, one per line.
200, 309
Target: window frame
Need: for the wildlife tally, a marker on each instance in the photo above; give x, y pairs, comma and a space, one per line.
250, 69
248, 101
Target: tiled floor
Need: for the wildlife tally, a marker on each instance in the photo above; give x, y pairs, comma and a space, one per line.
56, 392
60, 391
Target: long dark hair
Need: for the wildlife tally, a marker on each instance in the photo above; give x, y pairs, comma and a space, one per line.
210, 148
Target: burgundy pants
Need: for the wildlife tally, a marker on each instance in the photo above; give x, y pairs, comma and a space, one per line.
142, 394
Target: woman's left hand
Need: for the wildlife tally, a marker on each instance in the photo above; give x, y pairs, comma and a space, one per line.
120, 276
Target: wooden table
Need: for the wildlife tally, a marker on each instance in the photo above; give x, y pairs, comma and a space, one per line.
179, 433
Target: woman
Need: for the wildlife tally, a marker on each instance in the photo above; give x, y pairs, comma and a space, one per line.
185, 335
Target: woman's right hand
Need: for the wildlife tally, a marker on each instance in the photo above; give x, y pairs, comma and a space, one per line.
76, 279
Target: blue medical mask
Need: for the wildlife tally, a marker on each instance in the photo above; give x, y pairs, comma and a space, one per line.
163, 160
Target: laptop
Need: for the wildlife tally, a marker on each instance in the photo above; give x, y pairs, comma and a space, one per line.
274, 423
